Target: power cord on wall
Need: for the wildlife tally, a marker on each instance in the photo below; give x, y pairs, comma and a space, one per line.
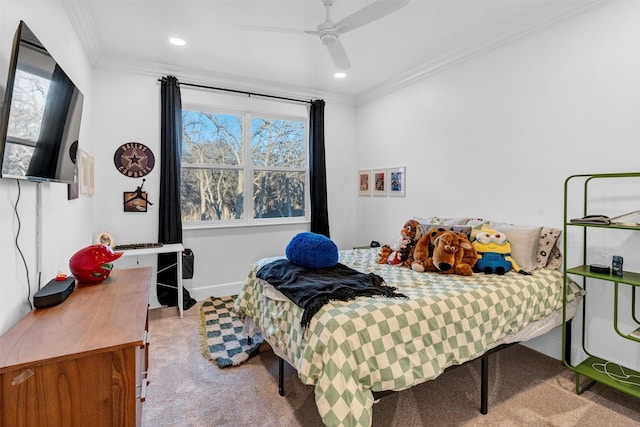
26, 268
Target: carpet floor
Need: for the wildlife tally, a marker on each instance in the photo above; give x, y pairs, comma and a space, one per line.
526, 388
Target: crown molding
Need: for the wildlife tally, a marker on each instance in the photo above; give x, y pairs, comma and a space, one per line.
84, 25
83, 22
229, 81
469, 51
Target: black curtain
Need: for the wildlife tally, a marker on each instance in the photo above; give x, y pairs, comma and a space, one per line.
318, 170
44, 162
170, 222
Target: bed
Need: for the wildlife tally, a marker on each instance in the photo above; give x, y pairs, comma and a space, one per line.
353, 349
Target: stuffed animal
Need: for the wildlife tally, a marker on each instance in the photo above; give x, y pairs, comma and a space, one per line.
494, 253
444, 251
383, 254
401, 254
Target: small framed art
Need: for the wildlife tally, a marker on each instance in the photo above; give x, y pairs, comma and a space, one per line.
364, 183
85, 164
397, 181
379, 182
135, 201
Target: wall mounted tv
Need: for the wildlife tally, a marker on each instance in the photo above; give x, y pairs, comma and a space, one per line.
41, 115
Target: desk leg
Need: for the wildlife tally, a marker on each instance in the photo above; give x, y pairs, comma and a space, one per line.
180, 293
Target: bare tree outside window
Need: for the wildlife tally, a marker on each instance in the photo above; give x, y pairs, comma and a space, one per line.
29, 97
242, 167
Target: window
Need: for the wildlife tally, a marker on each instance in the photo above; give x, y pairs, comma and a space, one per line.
229, 155
27, 108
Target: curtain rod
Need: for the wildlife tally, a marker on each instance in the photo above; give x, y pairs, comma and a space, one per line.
243, 92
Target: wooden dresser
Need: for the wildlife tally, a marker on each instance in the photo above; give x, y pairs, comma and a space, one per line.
82, 362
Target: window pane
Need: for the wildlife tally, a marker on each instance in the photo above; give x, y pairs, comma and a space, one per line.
278, 194
278, 143
210, 138
211, 194
16, 159
27, 107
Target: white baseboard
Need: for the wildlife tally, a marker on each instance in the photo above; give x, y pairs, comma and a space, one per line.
547, 344
550, 344
221, 290
202, 293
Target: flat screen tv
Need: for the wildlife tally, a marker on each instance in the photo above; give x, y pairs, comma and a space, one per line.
41, 114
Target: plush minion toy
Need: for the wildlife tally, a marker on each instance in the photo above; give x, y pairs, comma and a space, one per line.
494, 253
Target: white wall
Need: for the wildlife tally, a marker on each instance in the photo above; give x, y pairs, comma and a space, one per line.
65, 224
496, 136
129, 109
122, 107
223, 255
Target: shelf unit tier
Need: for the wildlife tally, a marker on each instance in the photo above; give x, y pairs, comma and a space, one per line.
607, 226
631, 378
628, 277
599, 370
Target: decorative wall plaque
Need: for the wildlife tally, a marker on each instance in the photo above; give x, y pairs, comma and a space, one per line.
134, 159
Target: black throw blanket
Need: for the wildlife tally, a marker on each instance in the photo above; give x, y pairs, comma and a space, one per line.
310, 289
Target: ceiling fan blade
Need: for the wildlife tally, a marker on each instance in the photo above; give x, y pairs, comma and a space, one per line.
337, 53
369, 13
275, 29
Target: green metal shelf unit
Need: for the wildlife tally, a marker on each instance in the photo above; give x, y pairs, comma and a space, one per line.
593, 367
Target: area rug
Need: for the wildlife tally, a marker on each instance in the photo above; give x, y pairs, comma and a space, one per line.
223, 340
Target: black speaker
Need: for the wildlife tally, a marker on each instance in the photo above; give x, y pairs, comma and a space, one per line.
54, 292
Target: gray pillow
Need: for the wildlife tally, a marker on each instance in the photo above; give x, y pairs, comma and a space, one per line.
548, 239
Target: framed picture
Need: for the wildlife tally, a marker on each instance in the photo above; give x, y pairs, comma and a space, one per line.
364, 182
85, 164
73, 192
397, 181
135, 201
379, 182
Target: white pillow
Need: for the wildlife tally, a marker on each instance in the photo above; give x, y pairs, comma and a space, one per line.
524, 243
440, 220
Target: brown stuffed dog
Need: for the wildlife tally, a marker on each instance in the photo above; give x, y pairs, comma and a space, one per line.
401, 255
444, 251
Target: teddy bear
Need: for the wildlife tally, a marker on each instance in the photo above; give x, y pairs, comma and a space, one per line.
401, 254
494, 253
444, 251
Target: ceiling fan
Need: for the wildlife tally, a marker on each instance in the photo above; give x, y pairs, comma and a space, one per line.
329, 32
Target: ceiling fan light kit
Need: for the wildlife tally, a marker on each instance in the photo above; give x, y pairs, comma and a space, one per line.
328, 39
329, 32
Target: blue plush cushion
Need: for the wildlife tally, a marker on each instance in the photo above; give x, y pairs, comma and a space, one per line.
312, 250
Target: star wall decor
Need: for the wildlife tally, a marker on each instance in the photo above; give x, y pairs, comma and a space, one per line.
134, 159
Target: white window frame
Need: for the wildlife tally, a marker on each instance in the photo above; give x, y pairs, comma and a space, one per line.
249, 169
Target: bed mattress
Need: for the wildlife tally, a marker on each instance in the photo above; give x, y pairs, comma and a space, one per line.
375, 344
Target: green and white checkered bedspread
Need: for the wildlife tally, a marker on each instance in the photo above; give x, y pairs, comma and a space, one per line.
374, 344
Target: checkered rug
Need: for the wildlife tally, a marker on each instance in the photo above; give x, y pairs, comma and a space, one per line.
223, 341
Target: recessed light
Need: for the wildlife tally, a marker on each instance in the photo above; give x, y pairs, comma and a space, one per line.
340, 75
177, 41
